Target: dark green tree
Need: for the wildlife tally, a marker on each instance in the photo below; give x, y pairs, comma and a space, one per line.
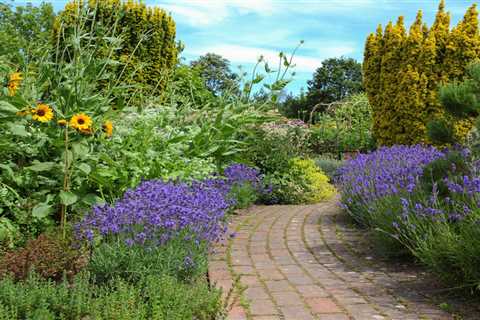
216, 72
296, 106
25, 31
461, 101
335, 80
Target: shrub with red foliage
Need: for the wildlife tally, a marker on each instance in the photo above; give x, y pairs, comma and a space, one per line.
48, 255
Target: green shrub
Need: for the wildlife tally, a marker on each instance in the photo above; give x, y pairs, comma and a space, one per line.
244, 194
345, 126
180, 258
454, 164
273, 144
154, 297
329, 166
301, 182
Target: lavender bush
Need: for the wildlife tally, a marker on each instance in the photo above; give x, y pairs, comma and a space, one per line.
156, 211
418, 199
385, 172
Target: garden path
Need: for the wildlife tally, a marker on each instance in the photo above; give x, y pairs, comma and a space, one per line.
306, 262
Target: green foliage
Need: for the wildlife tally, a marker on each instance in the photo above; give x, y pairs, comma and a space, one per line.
25, 32
296, 106
452, 250
328, 165
154, 297
461, 102
345, 126
183, 259
244, 194
301, 182
402, 71
188, 82
147, 51
454, 164
335, 80
216, 73
274, 144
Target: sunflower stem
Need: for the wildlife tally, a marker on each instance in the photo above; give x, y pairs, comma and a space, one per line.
63, 217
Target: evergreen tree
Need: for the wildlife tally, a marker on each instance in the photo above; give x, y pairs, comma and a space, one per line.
402, 73
147, 52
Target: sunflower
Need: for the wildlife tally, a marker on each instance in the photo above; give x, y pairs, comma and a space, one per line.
81, 121
23, 113
62, 122
107, 127
14, 83
42, 113
88, 131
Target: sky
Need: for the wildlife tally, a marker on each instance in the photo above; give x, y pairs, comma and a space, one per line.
242, 30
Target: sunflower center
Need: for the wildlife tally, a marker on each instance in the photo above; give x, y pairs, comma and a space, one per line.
41, 113
81, 121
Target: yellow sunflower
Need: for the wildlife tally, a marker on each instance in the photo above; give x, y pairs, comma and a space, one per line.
81, 121
23, 113
88, 131
62, 122
42, 113
14, 83
107, 127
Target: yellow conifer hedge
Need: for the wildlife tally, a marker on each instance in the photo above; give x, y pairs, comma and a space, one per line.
148, 50
403, 70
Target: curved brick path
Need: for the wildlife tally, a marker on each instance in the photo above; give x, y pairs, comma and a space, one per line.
298, 262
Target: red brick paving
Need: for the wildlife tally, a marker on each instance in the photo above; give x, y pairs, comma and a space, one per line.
294, 264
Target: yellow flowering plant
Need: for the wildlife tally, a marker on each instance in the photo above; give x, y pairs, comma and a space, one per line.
52, 119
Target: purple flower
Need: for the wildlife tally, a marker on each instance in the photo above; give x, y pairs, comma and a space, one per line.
157, 211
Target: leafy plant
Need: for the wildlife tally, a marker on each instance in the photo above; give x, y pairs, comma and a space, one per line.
345, 126
48, 255
302, 182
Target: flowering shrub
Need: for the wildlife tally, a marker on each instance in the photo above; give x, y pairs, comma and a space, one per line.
387, 171
420, 200
156, 211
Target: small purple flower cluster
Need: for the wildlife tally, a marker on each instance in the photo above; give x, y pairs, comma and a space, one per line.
387, 171
156, 211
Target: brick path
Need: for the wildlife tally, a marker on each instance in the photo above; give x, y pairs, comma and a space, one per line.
297, 262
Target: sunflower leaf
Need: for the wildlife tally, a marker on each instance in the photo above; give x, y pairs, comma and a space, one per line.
67, 198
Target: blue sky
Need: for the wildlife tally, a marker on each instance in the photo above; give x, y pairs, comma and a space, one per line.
242, 30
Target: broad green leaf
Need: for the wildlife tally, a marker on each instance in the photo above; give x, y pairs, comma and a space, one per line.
41, 210
68, 198
7, 109
85, 168
92, 199
41, 166
18, 130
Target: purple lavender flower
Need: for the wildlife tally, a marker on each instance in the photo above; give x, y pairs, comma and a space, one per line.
387, 171
157, 211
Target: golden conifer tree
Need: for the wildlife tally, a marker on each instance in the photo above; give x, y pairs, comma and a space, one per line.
148, 50
402, 73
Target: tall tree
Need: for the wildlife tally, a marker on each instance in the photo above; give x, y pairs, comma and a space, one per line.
25, 31
335, 80
402, 72
216, 72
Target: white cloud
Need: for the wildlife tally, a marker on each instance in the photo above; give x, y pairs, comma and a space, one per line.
209, 12
246, 55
